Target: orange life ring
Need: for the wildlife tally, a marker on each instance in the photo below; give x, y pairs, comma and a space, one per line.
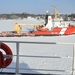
8, 51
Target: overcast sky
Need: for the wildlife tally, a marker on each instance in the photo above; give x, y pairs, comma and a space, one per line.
36, 6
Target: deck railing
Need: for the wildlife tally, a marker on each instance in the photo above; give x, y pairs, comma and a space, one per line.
31, 56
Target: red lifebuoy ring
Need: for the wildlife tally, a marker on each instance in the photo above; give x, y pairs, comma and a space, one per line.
8, 51
1, 60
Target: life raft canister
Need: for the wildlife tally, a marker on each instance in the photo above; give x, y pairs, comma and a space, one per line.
8, 51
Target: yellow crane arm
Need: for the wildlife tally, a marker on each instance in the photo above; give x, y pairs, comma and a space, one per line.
18, 27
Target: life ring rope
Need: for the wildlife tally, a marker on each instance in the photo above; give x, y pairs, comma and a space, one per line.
8, 51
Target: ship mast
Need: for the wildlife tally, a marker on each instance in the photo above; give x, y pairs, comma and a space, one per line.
56, 14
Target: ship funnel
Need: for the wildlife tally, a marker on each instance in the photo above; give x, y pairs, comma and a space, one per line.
49, 23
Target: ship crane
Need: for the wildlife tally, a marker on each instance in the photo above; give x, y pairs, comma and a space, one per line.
18, 27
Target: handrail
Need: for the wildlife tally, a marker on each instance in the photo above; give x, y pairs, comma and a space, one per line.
27, 42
